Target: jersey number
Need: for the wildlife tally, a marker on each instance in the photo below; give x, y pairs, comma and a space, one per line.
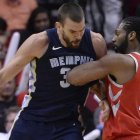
64, 83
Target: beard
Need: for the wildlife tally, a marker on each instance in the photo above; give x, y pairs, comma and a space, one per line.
7, 97
122, 48
70, 43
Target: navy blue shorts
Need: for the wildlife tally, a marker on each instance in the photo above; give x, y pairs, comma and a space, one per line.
33, 130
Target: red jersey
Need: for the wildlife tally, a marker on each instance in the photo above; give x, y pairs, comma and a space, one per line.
124, 100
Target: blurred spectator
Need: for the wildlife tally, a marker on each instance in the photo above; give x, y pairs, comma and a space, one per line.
103, 16
10, 115
7, 99
52, 7
4, 39
95, 16
38, 21
131, 8
113, 15
16, 12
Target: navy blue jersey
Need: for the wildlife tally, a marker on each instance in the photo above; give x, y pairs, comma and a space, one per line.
50, 97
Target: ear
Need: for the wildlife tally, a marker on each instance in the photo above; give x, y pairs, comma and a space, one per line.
132, 35
58, 25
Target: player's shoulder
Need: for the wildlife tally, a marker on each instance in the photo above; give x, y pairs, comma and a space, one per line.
99, 44
96, 36
117, 60
39, 43
41, 37
116, 57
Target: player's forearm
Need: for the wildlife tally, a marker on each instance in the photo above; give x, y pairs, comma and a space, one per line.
86, 73
9, 71
76, 78
6, 76
80, 75
3, 79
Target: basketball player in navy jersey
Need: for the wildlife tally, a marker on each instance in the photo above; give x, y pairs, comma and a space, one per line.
49, 111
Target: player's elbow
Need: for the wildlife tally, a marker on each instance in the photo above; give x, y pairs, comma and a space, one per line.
73, 79
70, 78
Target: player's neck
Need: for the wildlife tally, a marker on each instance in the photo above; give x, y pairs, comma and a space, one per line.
135, 47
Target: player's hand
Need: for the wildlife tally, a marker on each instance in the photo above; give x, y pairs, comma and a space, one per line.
105, 109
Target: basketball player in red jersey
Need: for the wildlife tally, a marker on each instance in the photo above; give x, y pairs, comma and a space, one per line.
123, 81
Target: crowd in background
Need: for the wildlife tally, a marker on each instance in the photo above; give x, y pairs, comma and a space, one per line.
26, 17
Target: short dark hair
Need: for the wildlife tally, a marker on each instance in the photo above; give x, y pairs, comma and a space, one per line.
12, 109
72, 11
132, 24
3, 24
31, 20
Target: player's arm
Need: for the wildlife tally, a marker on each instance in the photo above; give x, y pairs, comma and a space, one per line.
33, 47
99, 89
99, 44
120, 66
100, 48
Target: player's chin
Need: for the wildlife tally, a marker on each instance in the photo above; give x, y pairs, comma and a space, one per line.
75, 45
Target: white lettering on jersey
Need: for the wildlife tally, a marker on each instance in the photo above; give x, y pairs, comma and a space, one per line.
77, 59
61, 61
69, 60
54, 62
